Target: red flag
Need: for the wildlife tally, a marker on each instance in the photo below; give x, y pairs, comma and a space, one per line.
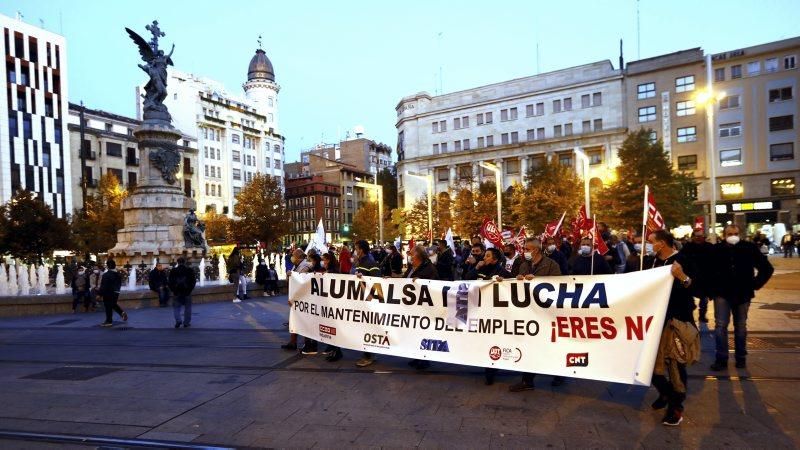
599, 243
654, 220
411, 244
699, 223
519, 241
552, 229
490, 232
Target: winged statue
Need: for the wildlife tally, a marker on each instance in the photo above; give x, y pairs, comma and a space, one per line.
155, 67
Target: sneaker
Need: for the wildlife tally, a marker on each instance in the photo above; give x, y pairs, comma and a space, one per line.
660, 403
335, 356
329, 349
178, 324
719, 365
186, 325
106, 324
289, 346
309, 350
364, 362
672, 419
124, 316
741, 364
236, 300
557, 381
521, 386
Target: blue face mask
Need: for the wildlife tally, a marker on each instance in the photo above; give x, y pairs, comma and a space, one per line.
585, 250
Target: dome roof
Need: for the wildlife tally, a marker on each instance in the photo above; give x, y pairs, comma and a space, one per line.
260, 67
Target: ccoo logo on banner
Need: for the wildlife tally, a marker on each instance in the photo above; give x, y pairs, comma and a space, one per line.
549, 325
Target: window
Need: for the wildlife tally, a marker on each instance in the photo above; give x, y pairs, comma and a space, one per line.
540, 109
647, 90
586, 126
442, 126
503, 115
531, 135
719, 74
730, 157
730, 129
556, 106
781, 94
753, 68
736, 71
565, 159
456, 123
234, 138
781, 152
585, 101
457, 146
557, 130
435, 127
504, 139
236, 155
687, 134
113, 149
513, 112
489, 141
465, 122
479, 119
514, 137
464, 172
687, 162
730, 101
568, 129
237, 174
789, 62
488, 117
480, 142
205, 171
598, 124
443, 146
464, 146
568, 104
512, 166
540, 133
597, 99
435, 149
595, 157
731, 191
653, 138
782, 186
779, 123
267, 164
771, 65
647, 114
529, 111
685, 108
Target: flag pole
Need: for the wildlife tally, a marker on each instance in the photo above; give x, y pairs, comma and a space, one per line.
594, 236
644, 227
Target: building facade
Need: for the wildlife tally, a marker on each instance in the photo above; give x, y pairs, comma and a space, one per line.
310, 199
34, 152
236, 137
106, 145
514, 125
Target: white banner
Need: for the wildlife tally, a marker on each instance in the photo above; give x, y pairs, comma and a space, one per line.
604, 327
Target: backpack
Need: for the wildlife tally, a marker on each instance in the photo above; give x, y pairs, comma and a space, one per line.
182, 284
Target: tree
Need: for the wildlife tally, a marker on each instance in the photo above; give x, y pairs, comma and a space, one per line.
470, 208
444, 216
387, 178
30, 228
414, 221
365, 222
217, 227
645, 162
261, 212
550, 189
95, 227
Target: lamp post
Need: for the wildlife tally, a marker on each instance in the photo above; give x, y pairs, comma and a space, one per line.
585, 160
709, 101
498, 182
429, 185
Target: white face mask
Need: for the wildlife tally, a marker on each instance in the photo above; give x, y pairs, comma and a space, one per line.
433, 258
637, 247
528, 256
648, 248
733, 240
585, 250
551, 248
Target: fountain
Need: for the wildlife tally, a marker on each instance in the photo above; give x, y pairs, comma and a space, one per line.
44, 279
155, 263
132, 279
13, 287
255, 264
3, 281
60, 287
32, 278
22, 280
223, 270
202, 272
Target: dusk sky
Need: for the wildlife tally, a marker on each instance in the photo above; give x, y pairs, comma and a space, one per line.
341, 64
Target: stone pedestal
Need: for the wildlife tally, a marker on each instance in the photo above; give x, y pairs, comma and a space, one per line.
154, 212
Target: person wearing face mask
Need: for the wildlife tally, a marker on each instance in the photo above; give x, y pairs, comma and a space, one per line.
300, 264
392, 263
365, 265
475, 256
669, 374
94, 284
552, 252
738, 270
445, 260
345, 261
510, 252
633, 260
581, 263
700, 252
421, 267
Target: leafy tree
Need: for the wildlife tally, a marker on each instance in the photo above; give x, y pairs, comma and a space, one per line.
414, 221
217, 227
470, 208
95, 226
387, 178
443, 213
550, 189
261, 212
365, 222
644, 162
30, 228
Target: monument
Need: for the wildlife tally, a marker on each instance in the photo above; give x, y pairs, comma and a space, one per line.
159, 218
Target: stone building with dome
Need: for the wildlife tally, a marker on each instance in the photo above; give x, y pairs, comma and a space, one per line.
237, 136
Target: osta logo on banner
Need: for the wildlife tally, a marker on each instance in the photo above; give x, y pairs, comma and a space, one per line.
326, 332
434, 345
506, 354
577, 359
377, 340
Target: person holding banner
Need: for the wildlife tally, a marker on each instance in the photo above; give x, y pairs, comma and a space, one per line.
669, 374
475, 256
330, 265
365, 265
420, 268
445, 261
300, 265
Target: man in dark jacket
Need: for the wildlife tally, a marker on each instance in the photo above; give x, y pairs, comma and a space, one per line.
181, 283
581, 263
365, 265
261, 275
445, 262
157, 279
700, 252
421, 267
392, 263
475, 256
739, 269
552, 252
110, 285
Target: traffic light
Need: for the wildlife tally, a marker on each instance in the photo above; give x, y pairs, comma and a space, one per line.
346, 230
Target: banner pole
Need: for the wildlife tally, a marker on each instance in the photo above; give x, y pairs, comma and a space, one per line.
644, 228
594, 236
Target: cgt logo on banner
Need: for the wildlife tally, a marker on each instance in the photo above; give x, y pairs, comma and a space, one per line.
548, 317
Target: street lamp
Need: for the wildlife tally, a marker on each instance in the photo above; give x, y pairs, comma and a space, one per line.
585, 159
709, 101
498, 182
429, 184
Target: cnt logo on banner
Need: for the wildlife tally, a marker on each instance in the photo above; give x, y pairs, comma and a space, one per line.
604, 327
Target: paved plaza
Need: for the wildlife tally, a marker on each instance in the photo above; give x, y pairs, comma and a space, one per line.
226, 382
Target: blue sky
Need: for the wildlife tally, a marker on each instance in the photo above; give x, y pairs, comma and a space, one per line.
342, 64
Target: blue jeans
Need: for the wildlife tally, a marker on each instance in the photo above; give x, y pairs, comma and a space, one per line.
163, 296
182, 301
723, 309
241, 288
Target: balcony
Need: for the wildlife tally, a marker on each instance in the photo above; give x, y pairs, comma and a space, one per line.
90, 155
131, 161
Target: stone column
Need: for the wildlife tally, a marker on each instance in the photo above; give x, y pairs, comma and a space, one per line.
500, 165
523, 168
453, 174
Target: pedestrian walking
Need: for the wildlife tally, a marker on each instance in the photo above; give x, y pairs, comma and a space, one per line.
236, 274
272, 280
739, 268
700, 252
157, 280
94, 285
110, 285
788, 245
80, 290
181, 282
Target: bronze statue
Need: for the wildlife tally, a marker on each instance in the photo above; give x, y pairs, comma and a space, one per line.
155, 67
193, 230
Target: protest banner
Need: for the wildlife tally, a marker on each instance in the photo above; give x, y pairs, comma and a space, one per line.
604, 327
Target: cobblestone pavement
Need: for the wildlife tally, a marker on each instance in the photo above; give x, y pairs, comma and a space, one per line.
226, 382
